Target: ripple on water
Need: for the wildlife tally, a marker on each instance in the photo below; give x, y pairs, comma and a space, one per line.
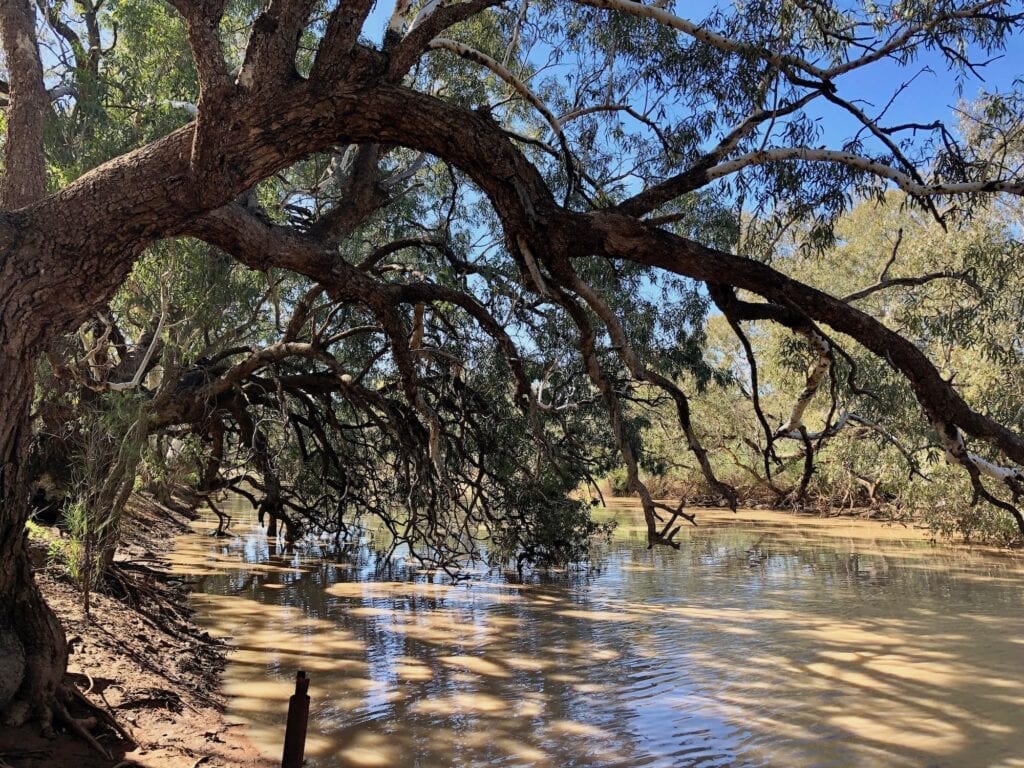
759, 643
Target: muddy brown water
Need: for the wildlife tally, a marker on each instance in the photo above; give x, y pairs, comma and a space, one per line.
766, 640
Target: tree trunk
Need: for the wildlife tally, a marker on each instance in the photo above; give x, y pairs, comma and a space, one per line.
29, 625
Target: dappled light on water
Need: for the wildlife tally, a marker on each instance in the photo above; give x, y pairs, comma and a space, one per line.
763, 641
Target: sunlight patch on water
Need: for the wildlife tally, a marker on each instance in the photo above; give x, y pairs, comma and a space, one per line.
764, 641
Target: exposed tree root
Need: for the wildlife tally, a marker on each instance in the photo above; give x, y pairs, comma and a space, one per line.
103, 715
147, 597
83, 727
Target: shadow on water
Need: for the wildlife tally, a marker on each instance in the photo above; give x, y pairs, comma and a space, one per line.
760, 642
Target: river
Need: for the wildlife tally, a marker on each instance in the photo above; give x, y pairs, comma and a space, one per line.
766, 640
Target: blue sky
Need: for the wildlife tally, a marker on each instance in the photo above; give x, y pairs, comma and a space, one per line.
932, 95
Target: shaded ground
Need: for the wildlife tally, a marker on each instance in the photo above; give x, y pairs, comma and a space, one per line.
141, 658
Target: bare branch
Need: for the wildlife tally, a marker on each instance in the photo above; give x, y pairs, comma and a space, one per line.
904, 181
443, 43
643, 373
636, 242
822, 365
910, 34
891, 282
705, 35
697, 174
140, 372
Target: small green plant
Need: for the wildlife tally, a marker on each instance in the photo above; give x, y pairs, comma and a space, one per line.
74, 551
36, 532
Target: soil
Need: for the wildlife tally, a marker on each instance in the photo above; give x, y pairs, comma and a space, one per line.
140, 657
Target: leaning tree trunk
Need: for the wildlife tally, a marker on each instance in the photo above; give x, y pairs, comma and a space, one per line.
34, 648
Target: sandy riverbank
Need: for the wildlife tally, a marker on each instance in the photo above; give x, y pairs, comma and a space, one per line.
143, 659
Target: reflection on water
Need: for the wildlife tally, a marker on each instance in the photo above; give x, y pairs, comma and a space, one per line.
761, 642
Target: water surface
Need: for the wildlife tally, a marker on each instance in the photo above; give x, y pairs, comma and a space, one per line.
765, 641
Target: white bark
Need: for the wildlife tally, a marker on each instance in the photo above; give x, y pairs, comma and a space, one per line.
835, 428
995, 471
425, 11
957, 453
141, 371
898, 41
399, 176
60, 91
516, 30
186, 106
899, 178
538, 387
396, 24
532, 267
704, 35
814, 379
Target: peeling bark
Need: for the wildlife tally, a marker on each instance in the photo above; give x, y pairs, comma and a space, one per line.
822, 365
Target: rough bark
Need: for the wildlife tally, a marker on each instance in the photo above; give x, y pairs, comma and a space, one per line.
23, 611
792, 303
25, 618
54, 275
24, 164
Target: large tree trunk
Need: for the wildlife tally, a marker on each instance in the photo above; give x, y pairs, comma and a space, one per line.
36, 657
29, 630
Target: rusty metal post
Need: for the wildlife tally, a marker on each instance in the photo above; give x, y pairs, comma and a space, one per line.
298, 718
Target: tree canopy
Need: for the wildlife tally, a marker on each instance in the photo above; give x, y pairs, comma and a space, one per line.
438, 263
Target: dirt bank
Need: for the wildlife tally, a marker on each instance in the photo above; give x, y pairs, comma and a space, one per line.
141, 658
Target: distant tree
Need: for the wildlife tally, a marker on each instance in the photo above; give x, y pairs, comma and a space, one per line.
954, 292
581, 172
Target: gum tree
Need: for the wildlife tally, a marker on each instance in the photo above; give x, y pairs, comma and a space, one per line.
608, 144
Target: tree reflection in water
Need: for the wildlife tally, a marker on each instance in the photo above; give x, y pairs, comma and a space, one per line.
764, 641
